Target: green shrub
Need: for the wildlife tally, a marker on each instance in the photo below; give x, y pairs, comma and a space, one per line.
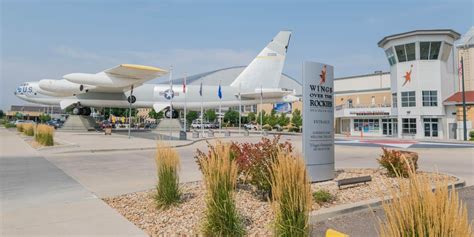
291, 196
9, 125
167, 166
220, 177
253, 160
28, 129
322, 196
471, 134
267, 127
398, 163
44, 135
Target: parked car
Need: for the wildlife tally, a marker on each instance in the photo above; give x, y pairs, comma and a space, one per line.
20, 121
251, 126
150, 125
53, 123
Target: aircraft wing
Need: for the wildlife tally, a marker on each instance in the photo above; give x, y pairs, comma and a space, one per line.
117, 79
136, 72
266, 94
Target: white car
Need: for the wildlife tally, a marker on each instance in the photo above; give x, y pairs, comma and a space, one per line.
250, 126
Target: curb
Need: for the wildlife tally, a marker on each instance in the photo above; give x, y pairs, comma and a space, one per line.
327, 213
140, 148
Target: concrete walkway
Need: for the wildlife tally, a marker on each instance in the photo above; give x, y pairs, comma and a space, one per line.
39, 199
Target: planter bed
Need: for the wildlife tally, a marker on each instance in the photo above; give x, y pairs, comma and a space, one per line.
185, 218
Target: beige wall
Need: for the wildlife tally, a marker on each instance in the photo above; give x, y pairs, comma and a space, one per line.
469, 114
365, 98
468, 57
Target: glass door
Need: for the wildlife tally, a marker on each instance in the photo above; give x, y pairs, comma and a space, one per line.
430, 127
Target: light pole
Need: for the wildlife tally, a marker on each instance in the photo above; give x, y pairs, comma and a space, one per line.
464, 119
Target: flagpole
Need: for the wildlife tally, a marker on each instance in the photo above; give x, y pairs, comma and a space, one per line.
184, 91
261, 110
202, 110
240, 107
220, 108
171, 100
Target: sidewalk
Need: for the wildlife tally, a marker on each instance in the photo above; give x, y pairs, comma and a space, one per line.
37, 198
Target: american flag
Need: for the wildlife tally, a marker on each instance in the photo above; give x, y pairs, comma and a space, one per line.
184, 85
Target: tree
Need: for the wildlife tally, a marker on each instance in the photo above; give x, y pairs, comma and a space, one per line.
210, 115
232, 117
296, 119
1, 113
272, 119
155, 115
251, 117
263, 116
283, 120
44, 118
191, 116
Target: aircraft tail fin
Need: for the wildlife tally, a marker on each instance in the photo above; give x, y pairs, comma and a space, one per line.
265, 69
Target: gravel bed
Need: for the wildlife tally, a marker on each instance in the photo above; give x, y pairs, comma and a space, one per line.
186, 217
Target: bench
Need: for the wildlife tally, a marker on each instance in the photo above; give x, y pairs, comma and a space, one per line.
355, 180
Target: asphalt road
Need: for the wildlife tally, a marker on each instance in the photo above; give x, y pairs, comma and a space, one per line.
365, 223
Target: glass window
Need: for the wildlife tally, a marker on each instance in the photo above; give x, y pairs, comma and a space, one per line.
410, 48
405, 52
429, 50
446, 51
400, 50
366, 125
424, 50
408, 99
430, 98
434, 50
390, 56
395, 102
409, 126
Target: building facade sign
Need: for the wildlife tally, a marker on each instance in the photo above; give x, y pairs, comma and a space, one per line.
318, 120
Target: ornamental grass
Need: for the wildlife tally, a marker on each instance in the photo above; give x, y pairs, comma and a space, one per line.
418, 210
28, 129
220, 177
291, 196
44, 135
19, 127
167, 167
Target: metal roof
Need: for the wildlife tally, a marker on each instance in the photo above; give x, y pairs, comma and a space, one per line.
455, 35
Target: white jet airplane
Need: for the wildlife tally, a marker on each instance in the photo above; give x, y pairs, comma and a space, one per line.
116, 86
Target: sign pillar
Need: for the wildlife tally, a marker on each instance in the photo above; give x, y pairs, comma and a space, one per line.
318, 120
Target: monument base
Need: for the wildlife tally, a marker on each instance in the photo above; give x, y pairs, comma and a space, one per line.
319, 173
77, 123
170, 125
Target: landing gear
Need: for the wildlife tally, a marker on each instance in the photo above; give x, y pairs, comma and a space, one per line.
81, 111
168, 113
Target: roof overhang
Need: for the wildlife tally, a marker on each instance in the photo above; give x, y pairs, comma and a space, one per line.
455, 35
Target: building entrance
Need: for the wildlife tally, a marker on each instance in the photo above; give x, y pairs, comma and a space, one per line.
431, 127
389, 127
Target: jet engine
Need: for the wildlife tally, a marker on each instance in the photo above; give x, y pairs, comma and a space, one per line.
61, 87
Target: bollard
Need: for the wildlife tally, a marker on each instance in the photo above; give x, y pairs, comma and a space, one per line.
265, 133
227, 133
246, 133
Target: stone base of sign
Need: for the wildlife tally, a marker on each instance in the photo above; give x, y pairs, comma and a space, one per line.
319, 173
76, 123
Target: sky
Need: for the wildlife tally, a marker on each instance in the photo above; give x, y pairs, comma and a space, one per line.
50, 38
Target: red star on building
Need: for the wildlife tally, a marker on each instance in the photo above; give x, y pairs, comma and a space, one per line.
408, 76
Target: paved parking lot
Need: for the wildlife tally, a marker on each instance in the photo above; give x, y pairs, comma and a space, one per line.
61, 185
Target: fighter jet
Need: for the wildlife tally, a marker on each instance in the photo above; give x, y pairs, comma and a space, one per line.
124, 84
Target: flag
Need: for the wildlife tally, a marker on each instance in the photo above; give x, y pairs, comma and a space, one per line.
184, 85
460, 69
200, 90
219, 91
